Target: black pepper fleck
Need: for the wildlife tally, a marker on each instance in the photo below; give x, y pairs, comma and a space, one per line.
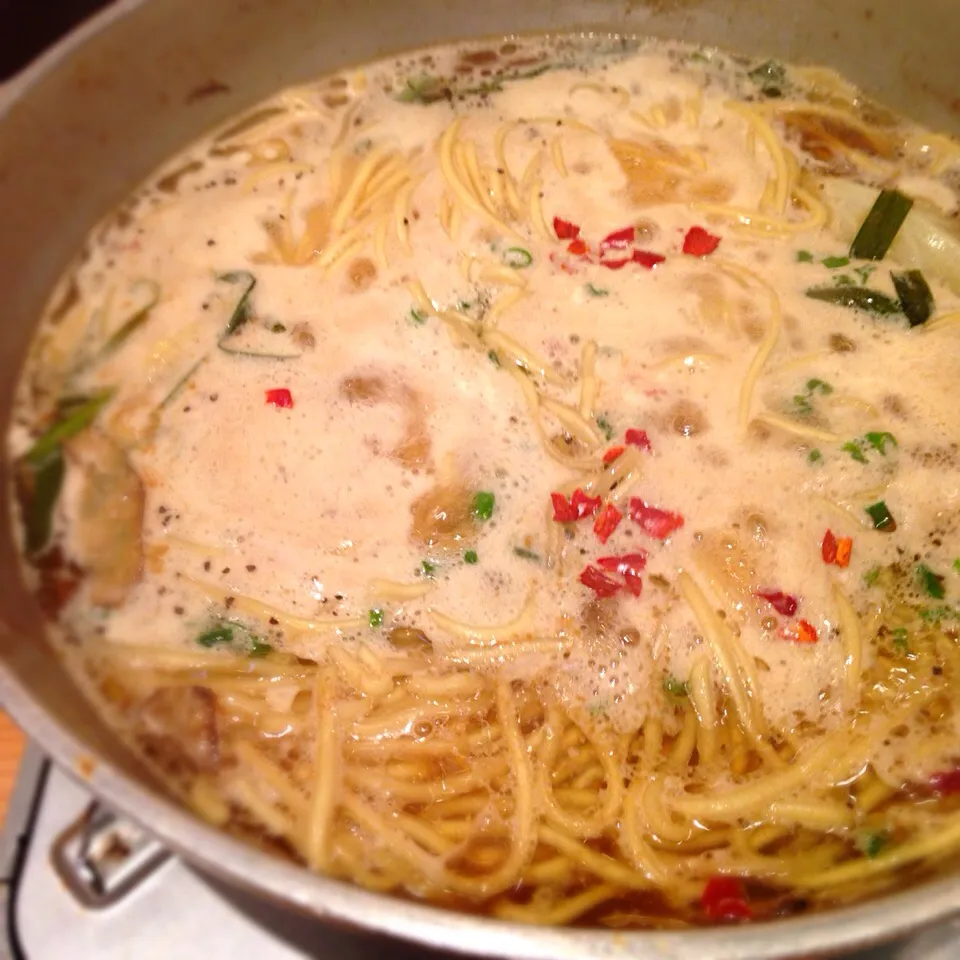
178, 611
251, 567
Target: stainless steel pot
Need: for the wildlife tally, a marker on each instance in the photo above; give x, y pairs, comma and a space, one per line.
87, 122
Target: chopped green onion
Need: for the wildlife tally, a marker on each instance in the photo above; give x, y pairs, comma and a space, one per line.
882, 517
470, 556
856, 298
916, 297
132, 323
259, 647
871, 577
604, 424
38, 488
879, 441
931, 582
243, 310
277, 328
417, 316
427, 569
814, 456
595, 291
843, 280
863, 273
956, 564
901, 640
216, 636
424, 90
483, 501
517, 257
674, 687
819, 386
855, 450
834, 263
375, 617
770, 77
937, 614
526, 554
804, 256
802, 402
76, 415
880, 227
493, 358
870, 844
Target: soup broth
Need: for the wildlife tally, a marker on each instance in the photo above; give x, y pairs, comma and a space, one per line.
525, 476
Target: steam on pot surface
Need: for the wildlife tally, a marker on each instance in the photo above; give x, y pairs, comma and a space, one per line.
525, 477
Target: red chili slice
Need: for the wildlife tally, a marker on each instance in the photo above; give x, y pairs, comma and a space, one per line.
806, 632
638, 438
783, 603
946, 783
725, 898
564, 229
654, 521
578, 248
576, 508
828, 547
607, 521
612, 455
647, 259
619, 239
844, 550
626, 562
563, 510
615, 264
598, 582
584, 505
633, 582
699, 242
280, 397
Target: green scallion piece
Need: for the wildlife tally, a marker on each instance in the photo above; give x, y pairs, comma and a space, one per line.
244, 309
816, 385
674, 687
517, 257
417, 316
857, 298
526, 554
596, 291
916, 297
76, 414
834, 263
215, 636
879, 440
814, 456
483, 503
470, 556
427, 568
259, 647
493, 358
881, 516
375, 617
604, 424
855, 450
901, 640
804, 256
881, 226
871, 577
871, 844
931, 582
956, 564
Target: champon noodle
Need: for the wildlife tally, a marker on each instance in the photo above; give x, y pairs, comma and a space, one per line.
525, 476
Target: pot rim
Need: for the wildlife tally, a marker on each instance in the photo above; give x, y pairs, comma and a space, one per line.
229, 859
